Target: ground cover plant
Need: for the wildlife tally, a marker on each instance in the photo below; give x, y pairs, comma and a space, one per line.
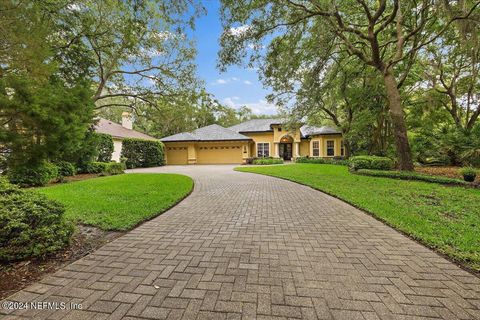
446, 218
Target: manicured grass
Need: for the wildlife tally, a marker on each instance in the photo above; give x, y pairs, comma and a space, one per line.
120, 202
446, 218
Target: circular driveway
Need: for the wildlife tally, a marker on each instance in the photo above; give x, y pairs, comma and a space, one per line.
246, 246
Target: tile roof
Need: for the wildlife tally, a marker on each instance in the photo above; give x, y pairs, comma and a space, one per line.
212, 132
259, 125
118, 131
255, 125
215, 132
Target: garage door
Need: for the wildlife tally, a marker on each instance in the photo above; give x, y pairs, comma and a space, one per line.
177, 155
219, 154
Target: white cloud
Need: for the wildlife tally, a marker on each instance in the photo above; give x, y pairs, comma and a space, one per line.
247, 82
259, 107
229, 102
225, 81
238, 31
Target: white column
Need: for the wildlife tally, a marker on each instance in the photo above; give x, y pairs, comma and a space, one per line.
276, 145
297, 149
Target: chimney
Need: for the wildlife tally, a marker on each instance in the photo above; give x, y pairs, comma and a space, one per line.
127, 121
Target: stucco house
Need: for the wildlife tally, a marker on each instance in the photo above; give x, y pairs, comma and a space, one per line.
120, 132
215, 144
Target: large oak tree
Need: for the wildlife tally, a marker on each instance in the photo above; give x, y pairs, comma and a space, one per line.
384, 35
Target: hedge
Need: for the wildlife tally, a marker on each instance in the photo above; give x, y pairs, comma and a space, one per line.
370, 162
266, 161
317, 160
105, 168
407, 175
30, 224
33, 175
143, 153
104, 147
65, 169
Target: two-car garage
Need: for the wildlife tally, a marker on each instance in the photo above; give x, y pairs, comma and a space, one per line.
212, 144
204, 153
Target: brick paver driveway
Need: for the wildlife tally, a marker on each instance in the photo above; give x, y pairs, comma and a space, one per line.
254, 247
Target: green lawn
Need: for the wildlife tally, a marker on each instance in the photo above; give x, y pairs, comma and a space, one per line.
120, 202
443, 217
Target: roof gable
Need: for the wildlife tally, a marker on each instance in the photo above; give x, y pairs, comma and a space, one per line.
255, 125
118, 131
212, 132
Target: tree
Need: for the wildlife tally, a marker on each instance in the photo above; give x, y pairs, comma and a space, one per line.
42, 121
451, 65
139, 49
385, 36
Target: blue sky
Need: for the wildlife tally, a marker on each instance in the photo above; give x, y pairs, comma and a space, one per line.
236, 87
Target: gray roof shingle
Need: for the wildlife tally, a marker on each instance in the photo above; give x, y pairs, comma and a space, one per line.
255, 125
212, 132
259, 125
215, 132
118, 131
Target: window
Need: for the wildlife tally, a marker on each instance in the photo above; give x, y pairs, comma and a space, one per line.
263, 150
342, 149
330, 148
316, 148
279, 129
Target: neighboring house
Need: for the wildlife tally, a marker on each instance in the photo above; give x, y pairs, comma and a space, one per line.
255, 138
120, 132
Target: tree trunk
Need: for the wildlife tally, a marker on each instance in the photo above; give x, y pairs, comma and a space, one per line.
398, 121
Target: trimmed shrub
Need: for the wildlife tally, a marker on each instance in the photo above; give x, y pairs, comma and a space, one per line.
95, 167
370, 162
114, 168
65, 169
30, 224
104, 147
469, 174
316, 160
142, 153
105, 168
267, 161
406, 175
33, 176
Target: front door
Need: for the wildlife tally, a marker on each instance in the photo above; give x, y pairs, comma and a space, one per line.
285, 150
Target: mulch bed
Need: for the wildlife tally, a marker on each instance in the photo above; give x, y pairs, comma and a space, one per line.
451, 172
17, 275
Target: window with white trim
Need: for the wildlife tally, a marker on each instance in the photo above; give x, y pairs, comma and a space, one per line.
316, 148
330, 148
263, 150
342, 148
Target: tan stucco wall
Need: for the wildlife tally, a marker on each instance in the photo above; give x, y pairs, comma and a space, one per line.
323, 144
117, 149
278, 135
262, 137
305, 148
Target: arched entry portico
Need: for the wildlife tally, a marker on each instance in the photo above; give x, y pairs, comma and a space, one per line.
285, 147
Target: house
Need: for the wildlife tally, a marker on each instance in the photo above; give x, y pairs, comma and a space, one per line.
215, 144
120, 132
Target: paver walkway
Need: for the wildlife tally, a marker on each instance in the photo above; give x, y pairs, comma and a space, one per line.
255, 247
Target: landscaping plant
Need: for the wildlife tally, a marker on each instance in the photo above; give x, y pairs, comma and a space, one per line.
267, 161
142, 153
30, 224
38, 174
370, 162
469, 174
